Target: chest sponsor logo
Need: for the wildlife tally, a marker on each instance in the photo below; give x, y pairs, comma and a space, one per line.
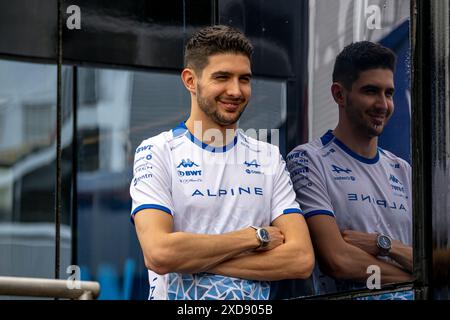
397, 186
142, 158
187, 168
343, 174
299, 158
144, 148
300, 177
142, 177
233, 192
252, 167
299, 171
379, 202
143, 167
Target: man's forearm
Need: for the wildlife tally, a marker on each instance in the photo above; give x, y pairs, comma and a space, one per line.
283, 262
354, 262
192, 253
402, 254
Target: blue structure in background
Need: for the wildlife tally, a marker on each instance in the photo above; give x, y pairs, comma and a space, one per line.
113, 286
397, 135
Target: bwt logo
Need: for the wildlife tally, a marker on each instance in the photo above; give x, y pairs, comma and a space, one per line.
144, 148
189, 173
187, 164
297, 155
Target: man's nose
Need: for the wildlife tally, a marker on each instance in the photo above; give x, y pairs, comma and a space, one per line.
234, 88
383, 102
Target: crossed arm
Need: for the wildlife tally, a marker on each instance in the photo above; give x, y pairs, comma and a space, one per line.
343, 260
232, 254
294, 259
400, 253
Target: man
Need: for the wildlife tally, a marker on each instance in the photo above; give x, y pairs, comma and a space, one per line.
214, 210
355, 196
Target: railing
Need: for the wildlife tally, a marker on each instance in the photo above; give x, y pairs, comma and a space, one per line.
36, 287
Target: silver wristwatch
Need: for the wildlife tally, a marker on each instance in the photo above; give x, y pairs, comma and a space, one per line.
384, 244
263, 236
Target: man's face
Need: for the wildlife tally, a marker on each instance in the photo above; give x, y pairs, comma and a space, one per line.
224, 88
369, 105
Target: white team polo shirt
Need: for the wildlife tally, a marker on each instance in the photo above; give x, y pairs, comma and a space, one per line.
210, 190
367, 195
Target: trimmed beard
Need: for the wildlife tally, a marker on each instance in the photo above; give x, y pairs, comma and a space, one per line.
357, 119
213, 112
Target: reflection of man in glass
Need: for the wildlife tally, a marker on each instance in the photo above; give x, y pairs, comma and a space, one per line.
356, 197
216, 218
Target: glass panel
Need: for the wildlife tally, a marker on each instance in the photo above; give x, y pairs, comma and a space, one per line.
27, 169
348, 180
265, 115
117, 110
67, 171
440, 145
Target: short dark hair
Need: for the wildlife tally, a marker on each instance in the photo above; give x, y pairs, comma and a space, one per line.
361, 56
213, 40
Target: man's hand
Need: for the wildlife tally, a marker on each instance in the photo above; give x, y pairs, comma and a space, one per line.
400, 253
293, 259
276, 238
364, 241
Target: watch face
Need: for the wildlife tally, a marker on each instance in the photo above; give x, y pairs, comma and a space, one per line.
264, 234
384, 242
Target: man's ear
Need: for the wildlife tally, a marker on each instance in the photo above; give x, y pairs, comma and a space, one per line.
189, 79
338, 92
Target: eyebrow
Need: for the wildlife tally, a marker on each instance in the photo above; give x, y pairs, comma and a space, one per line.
372, 86
226, 73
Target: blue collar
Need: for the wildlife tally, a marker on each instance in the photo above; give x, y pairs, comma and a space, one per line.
181, 129
329, 136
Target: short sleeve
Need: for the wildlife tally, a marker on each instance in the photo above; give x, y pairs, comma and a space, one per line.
151, 184
309, 183
283, 196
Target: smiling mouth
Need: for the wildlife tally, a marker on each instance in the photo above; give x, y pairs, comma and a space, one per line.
230, 106
378, 119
